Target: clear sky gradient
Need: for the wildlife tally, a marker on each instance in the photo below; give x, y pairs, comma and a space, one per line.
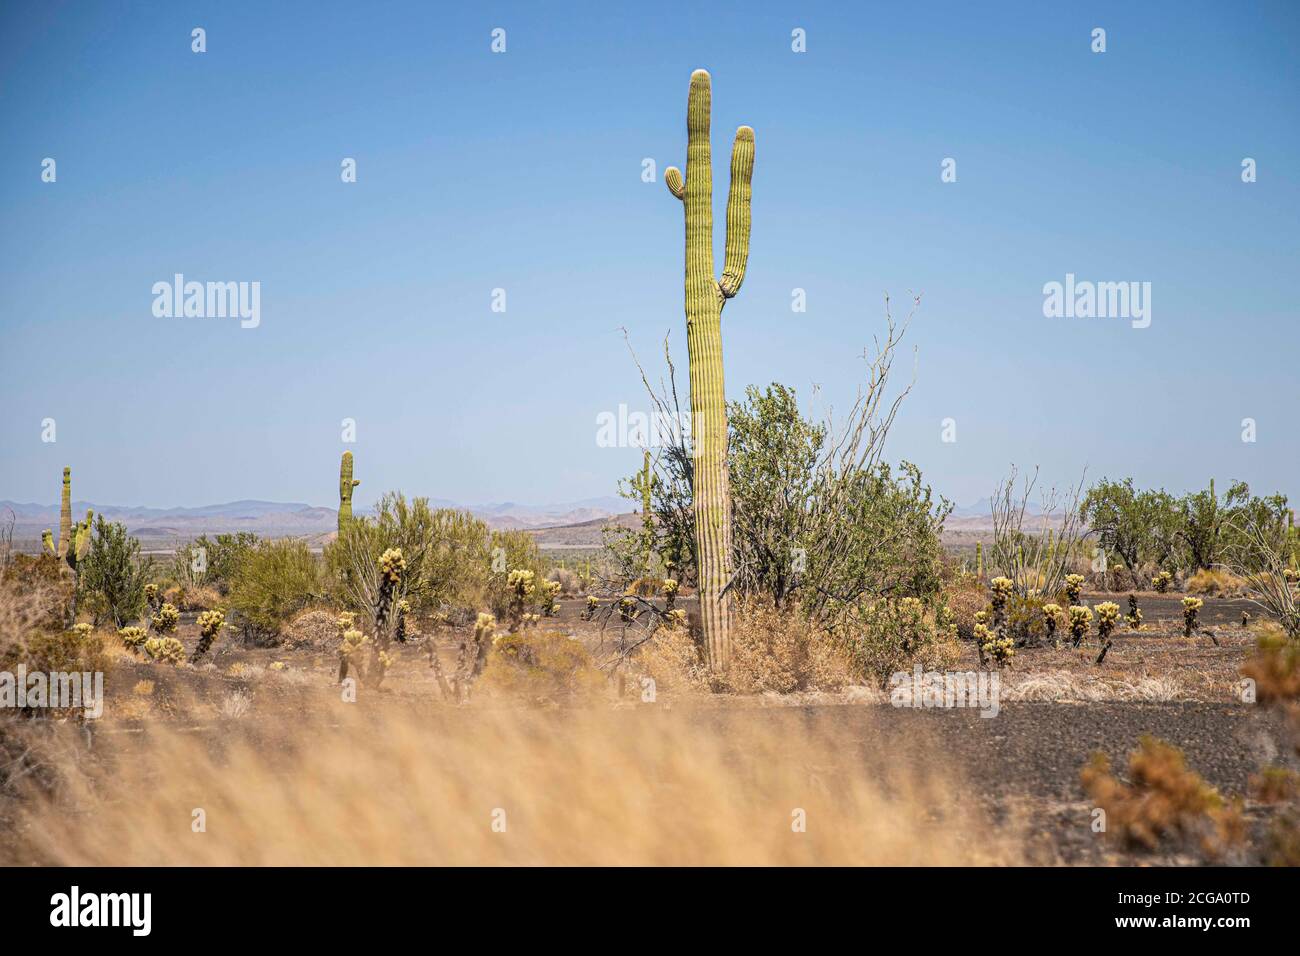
522, 171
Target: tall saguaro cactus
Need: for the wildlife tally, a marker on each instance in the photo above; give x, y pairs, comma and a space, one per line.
73, 543
705, 297
346, 484
74, 539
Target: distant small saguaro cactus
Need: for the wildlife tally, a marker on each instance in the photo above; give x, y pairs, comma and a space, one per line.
346, 484
73, 543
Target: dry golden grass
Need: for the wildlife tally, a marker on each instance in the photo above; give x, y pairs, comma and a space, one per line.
483, 785
1215, 583
776, 651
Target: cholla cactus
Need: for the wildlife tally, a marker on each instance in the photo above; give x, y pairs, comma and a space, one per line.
164, 650
133, 637
152, 596
1191, 607
1001, 591
210, 625
1162, 581
1080, 623
392, 564
165, 621
670, 588
946, 621
627, 610
675, 618
549, 592
1052, 617
83, 630
593, 603
350, 647
1107, 615
391, 567
1073, 587
1134, 617
520, 584
1000, 648
400, 632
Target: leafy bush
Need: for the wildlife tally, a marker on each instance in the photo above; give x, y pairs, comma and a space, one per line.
113, 576
892, 635
273, 582
211, 562
807, 523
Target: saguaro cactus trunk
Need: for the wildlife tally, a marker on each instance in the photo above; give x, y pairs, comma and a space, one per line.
705, 297
346, 484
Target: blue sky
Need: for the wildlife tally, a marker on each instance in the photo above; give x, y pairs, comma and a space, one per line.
522, 171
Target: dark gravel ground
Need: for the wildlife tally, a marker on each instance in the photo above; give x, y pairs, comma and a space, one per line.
1021, 768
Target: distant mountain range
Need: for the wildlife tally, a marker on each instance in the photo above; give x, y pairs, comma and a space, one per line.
158, 527
576, 523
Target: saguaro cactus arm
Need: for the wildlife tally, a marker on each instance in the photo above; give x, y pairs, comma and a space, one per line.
742, 172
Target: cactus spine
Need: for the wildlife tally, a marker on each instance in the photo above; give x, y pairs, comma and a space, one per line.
705, 297
346, 484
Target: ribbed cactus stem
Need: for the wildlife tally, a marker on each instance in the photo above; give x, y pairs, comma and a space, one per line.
346, 484
705, 297
65, 514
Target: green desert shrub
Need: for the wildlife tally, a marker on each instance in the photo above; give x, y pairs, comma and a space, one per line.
1026, 619
892, 635
211, 562
273, 582
113, 575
